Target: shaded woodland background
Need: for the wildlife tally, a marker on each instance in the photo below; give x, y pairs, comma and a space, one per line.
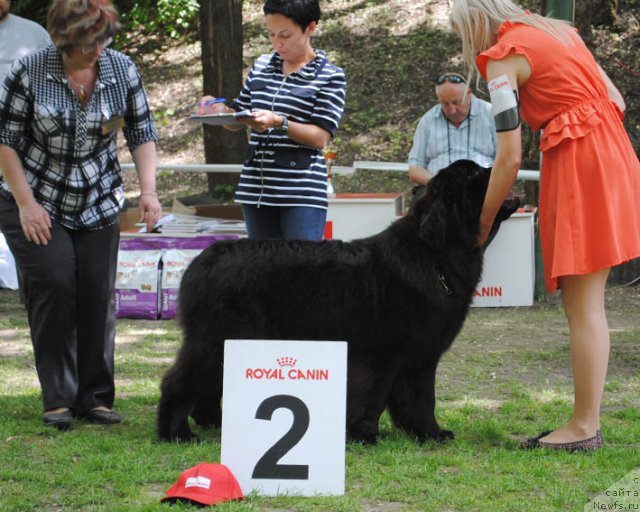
391, 50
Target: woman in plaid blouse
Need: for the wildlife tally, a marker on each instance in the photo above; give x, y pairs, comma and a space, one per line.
61, 192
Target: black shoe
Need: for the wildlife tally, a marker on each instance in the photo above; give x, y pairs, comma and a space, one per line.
60, 420
102, 417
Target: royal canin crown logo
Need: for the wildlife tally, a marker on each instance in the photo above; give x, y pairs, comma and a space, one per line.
286, 371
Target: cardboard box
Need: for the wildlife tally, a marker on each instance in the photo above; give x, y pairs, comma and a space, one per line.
508, 277
128, 220
130, 217
196, 205
355, 216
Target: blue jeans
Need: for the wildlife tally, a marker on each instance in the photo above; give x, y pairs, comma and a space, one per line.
288, 222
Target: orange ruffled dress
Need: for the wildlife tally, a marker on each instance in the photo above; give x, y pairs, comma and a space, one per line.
590, 177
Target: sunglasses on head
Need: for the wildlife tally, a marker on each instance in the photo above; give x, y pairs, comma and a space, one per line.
452, 78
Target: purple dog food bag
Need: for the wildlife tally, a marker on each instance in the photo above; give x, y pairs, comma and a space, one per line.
175, 261
138, 276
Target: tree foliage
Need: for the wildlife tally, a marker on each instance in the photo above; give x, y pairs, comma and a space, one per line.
172, 17
35, 10
595, 12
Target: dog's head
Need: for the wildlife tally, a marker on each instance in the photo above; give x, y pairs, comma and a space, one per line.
449, 212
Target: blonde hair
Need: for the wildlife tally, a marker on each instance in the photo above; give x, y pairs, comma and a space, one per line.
477, 23
81, 22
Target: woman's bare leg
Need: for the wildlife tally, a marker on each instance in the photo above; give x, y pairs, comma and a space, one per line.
583, 301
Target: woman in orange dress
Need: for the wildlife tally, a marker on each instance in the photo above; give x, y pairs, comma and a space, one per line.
539, 68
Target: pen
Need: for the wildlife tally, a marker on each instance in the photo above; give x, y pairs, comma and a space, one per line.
211, 102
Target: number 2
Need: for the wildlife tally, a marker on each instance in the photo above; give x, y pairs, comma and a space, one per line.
267, 466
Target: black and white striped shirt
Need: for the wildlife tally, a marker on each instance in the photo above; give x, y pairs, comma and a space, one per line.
279, 171
68, 150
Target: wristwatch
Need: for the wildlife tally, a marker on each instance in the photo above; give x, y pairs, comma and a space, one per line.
284, 127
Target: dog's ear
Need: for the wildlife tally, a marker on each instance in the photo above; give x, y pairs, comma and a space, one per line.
433, 226
450, 210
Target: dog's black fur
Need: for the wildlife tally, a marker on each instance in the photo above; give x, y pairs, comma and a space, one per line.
399, 298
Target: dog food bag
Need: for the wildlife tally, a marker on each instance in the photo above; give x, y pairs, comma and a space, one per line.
137, 278
175, 261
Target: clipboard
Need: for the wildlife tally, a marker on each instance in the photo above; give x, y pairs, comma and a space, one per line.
221, 119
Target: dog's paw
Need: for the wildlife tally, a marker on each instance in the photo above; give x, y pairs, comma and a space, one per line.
206, 421
184, 439
179, 437
366, 439
439, 435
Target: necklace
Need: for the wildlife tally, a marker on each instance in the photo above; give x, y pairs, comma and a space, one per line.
81, 93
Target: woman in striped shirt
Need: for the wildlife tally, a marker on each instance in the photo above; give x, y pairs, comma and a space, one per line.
296, 98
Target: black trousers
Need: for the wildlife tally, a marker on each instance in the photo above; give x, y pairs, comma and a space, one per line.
69, 290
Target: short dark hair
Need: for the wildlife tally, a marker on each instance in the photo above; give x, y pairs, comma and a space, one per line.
302, 12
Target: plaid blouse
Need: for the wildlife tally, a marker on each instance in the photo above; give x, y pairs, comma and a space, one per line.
69, 150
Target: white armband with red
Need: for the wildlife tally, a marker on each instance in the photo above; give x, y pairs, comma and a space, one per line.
504, 104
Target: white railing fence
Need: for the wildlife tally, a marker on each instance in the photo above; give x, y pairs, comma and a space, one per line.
523, 174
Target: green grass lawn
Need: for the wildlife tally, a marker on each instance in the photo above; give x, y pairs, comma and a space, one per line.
506, 378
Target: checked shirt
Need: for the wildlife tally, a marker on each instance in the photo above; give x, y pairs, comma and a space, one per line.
68, 150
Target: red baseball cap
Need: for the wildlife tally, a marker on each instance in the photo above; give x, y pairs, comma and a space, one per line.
207, 484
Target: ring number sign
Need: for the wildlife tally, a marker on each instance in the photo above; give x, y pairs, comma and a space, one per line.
283, 416
267, 466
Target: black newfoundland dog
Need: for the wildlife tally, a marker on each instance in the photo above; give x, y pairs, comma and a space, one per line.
398, 298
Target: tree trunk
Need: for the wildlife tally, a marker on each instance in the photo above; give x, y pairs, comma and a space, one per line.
222, 66
589, 13
596, 12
